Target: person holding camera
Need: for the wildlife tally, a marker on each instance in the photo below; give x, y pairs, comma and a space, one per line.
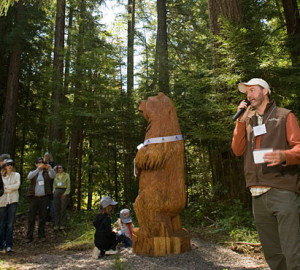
38, 194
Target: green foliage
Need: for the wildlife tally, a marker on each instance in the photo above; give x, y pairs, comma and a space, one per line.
5, 4
81, 236
82, 224
257, 48
244, 234
221, 221
235, 216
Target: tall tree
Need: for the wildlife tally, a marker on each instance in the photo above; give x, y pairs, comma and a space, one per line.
147, 73
57, 125
68, 49
229, 9
76, 121
226, 170
162, 47
8, 133
90, 177
292, 18
130, 46
127, 125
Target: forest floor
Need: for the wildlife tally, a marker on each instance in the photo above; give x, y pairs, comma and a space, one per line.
58, 253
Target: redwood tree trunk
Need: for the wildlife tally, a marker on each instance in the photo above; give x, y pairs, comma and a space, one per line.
57, 124
68, 50
130, 46
74, 141
292, 19
230, 9
128, 107
228, 180
79, 171
162, 47
9, 123
90, 178
76, 126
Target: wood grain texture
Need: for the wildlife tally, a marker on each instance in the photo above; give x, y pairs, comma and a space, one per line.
160, 168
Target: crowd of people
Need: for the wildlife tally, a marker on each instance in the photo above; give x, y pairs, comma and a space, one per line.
47, 195
48, 191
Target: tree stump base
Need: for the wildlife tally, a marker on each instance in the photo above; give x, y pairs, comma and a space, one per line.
179, 242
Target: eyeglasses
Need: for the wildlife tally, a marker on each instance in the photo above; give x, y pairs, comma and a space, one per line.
9, 164
40, 162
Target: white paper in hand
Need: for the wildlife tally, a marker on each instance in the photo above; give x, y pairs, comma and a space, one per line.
259, 154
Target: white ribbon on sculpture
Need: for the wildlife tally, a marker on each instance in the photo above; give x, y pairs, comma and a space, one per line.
158, 140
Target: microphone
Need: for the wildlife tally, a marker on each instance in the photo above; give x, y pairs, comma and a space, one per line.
241, 111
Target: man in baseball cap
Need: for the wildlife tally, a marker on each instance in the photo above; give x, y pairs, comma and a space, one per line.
268, 139
255, 81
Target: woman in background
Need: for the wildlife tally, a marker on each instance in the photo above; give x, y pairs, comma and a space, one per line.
61, 190
8, 204
2, 158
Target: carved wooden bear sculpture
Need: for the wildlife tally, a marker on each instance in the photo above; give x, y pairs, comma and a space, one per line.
160, 167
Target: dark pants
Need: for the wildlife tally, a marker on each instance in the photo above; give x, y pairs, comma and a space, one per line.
107, 246
276, 215
125, 240
7, 220
50, 209
60, 207
37, 206
105, 241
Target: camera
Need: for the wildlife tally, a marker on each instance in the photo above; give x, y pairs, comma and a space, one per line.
45, 165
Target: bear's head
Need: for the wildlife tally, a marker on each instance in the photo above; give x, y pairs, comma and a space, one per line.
160, 113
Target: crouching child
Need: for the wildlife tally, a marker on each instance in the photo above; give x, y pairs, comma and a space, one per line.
105, 239
124, 227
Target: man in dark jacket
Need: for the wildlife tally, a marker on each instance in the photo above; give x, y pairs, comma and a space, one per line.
38, 193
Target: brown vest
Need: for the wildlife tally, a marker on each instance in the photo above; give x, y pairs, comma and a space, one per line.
47, 186
280, 176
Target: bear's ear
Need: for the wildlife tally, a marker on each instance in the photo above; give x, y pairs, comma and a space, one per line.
160, 94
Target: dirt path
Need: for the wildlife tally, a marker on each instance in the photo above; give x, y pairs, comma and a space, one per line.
204, 255
53, 255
